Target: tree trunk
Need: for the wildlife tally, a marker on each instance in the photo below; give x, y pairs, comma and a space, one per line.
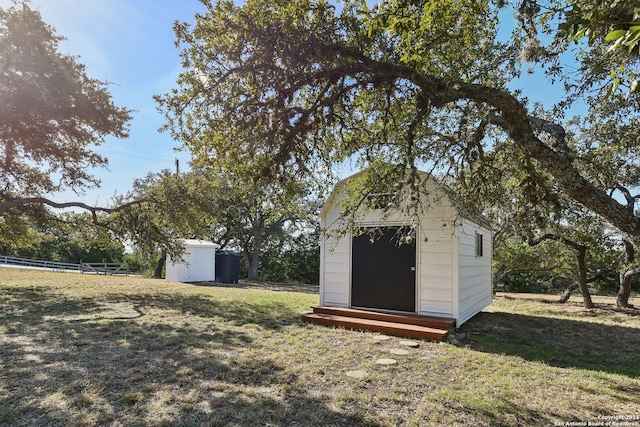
567, 294
582, 276
624, 292
626, 276
157, 272
581, 254
253, 260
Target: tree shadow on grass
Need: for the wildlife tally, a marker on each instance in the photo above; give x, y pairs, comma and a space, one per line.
235, 409
266, 314
39, 303
72, 361
511, 412
557, 342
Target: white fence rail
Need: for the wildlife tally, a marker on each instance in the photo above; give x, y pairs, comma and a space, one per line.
9, 260
95, 268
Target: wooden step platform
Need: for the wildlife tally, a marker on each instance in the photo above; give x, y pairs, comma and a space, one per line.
402, 325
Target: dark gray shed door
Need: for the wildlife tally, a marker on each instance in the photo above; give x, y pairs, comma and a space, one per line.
383, 271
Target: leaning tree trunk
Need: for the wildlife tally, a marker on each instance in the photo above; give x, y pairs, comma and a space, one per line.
622, 300
581, 253
567, 293
582, 276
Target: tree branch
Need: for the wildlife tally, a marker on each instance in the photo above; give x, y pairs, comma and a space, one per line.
550, 236
631, 200
516, 121
10, 203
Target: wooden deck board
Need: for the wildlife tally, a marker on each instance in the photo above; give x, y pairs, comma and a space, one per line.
406, 318
410, 326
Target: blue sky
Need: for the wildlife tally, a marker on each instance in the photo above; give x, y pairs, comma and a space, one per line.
131, 44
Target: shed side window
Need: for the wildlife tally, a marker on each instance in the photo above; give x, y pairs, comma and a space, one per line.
479, 244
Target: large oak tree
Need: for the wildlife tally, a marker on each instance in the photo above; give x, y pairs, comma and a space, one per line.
283, 88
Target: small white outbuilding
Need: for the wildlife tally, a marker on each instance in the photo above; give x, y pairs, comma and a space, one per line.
441, 267
198, 263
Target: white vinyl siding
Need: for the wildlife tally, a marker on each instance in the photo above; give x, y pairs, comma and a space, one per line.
474, 272
334, 272
435, 257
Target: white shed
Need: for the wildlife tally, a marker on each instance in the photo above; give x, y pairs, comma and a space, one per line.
442, 267
198, 264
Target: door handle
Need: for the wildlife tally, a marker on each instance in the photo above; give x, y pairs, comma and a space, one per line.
413, 269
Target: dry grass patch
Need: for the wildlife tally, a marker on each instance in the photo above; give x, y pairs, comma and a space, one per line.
87, 350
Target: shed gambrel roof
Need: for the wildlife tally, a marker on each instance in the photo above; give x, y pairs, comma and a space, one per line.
446, 190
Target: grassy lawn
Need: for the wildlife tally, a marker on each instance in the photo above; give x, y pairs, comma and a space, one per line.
122, 351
